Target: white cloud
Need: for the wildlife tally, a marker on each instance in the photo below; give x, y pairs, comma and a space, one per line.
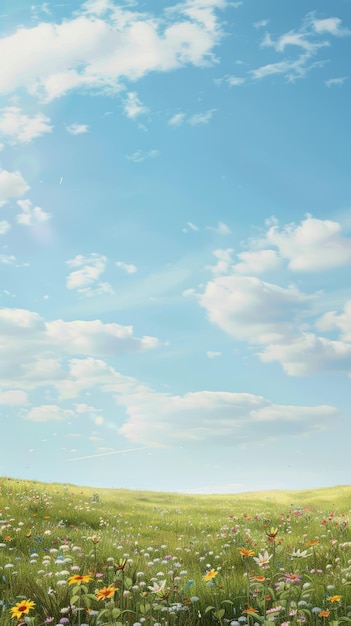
341, 322
35, 351
4, 227
329, 25
335, 82
100, 47
252, 310
48, 413
20, 128
157, 419
311, 246
201, 118
307, 41
213, 355
220, 229
127, 267
13, 397
225, 261
309, 354
12, 185
30, 215
86, 279
77, 129
235, 81
256, 262
133, 107
261, 24
139, 156
177, 119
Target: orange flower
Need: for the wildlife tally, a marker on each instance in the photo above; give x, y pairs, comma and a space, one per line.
78, 579
313, 543
8, 538
324, 614
246, 552
250, 609
106, 592
334, 598
259, 579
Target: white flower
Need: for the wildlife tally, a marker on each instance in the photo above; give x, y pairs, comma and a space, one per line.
263, 559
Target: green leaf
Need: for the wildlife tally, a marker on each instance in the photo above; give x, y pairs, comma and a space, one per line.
116, 612
74, 599
209, 608
219, 614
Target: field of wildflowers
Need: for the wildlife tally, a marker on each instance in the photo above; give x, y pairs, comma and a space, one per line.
74, 556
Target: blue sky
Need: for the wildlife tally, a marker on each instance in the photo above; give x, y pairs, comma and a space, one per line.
176, 244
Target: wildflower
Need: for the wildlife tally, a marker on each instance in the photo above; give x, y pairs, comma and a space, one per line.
22, 608
250, 609
263, 559
246, 552
209, 575
274, 609
121, 565
259, 579
313, 543
324, 614
106, 592
78, 579
158, 588
334, 598
300, 554
292, 578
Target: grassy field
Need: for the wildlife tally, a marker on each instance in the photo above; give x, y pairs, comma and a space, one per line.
76, 555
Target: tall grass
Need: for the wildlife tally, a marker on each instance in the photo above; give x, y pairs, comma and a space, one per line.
161, 558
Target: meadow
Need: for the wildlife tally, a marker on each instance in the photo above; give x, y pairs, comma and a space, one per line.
76, 556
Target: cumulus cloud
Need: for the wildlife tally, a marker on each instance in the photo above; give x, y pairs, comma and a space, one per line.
18, 127
253, 310
221, 418
256, 262
309, 354
334, 321
48, 413
35, 351
106, 44
12, 185
13, 397
86, 279
311, 246
31, 215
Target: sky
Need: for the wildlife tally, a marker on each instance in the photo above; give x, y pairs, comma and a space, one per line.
175, 232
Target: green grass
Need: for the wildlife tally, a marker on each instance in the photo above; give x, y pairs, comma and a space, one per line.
50, 532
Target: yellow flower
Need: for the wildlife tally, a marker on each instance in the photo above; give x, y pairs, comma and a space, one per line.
22, 608
334, 598
209, 575
246, 552
106, 592
78, 579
